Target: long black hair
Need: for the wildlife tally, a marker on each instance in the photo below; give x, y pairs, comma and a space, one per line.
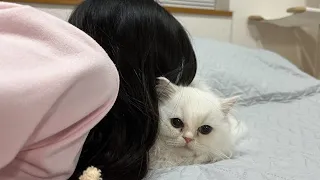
145, 42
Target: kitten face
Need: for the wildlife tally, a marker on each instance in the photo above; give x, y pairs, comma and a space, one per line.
194, 122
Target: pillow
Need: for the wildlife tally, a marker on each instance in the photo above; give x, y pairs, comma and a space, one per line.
254, 74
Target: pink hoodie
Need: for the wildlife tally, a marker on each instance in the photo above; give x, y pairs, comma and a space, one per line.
56, 83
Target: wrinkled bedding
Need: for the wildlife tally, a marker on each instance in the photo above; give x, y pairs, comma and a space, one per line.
280, 105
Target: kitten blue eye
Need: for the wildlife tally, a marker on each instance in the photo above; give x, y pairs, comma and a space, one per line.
176, 123
205, 129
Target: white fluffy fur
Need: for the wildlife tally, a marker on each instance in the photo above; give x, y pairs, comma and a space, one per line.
195, 105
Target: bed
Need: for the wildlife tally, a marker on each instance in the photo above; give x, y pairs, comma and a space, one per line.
279, 103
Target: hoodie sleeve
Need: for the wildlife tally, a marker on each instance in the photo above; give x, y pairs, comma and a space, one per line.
56, 83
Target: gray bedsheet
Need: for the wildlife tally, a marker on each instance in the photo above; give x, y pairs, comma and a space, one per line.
281, 106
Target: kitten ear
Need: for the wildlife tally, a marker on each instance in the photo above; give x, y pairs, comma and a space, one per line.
228, 103
164, 88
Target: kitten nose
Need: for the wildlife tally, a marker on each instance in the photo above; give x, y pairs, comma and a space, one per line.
187, 139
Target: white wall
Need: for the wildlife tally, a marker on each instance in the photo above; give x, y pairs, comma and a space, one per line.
296, 44
267, 8
218, 28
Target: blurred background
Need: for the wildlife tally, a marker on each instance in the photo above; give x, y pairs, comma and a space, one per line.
227, 20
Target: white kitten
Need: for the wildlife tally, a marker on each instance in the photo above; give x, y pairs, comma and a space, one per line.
195, 126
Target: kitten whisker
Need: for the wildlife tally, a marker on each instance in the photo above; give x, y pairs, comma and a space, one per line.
172, 143
214, 152
220, 152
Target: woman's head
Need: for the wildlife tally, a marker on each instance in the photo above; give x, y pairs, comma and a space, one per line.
145, 42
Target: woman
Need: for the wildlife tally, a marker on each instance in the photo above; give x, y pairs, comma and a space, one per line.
145, 42
56, 83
